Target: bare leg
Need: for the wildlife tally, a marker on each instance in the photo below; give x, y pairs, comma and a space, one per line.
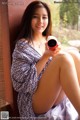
76, 57
60, 74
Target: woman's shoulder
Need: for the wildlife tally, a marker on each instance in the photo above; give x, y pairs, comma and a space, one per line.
22, 44
22, 49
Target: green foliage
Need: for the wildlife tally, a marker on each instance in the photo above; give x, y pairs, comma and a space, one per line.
71, 10
65, 20
64, 15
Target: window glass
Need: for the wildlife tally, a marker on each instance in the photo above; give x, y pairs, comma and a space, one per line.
66, 21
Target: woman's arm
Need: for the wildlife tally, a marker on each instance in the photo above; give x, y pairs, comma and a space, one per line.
41, 63
47, 54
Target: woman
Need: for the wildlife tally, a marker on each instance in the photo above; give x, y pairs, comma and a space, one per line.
43, 77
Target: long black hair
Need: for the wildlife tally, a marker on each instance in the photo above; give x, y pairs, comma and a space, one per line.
26, 29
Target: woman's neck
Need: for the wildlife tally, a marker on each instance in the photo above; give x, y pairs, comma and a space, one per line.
38, 37
39, 43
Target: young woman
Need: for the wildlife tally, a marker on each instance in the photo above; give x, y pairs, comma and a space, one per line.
43, 78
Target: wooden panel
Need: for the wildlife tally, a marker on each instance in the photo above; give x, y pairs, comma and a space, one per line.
6, 84
2, 89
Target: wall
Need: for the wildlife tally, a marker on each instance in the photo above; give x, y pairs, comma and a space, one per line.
5, 52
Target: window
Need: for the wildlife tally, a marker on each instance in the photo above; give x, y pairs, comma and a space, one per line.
66, 22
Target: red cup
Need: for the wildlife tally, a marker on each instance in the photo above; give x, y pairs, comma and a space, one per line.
52, 44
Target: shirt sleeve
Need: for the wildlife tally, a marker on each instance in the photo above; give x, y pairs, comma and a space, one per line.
23, 73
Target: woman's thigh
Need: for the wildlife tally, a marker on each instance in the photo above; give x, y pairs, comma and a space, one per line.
59, 73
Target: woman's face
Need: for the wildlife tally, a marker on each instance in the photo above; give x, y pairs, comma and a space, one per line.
39, 20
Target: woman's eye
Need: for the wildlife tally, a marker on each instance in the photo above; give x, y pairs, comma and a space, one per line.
35, 16
45, 17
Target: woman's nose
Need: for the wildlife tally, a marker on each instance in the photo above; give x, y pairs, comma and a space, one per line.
40, 20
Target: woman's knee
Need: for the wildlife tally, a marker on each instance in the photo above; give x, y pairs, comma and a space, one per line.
75, 55
76, 58
64, 57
